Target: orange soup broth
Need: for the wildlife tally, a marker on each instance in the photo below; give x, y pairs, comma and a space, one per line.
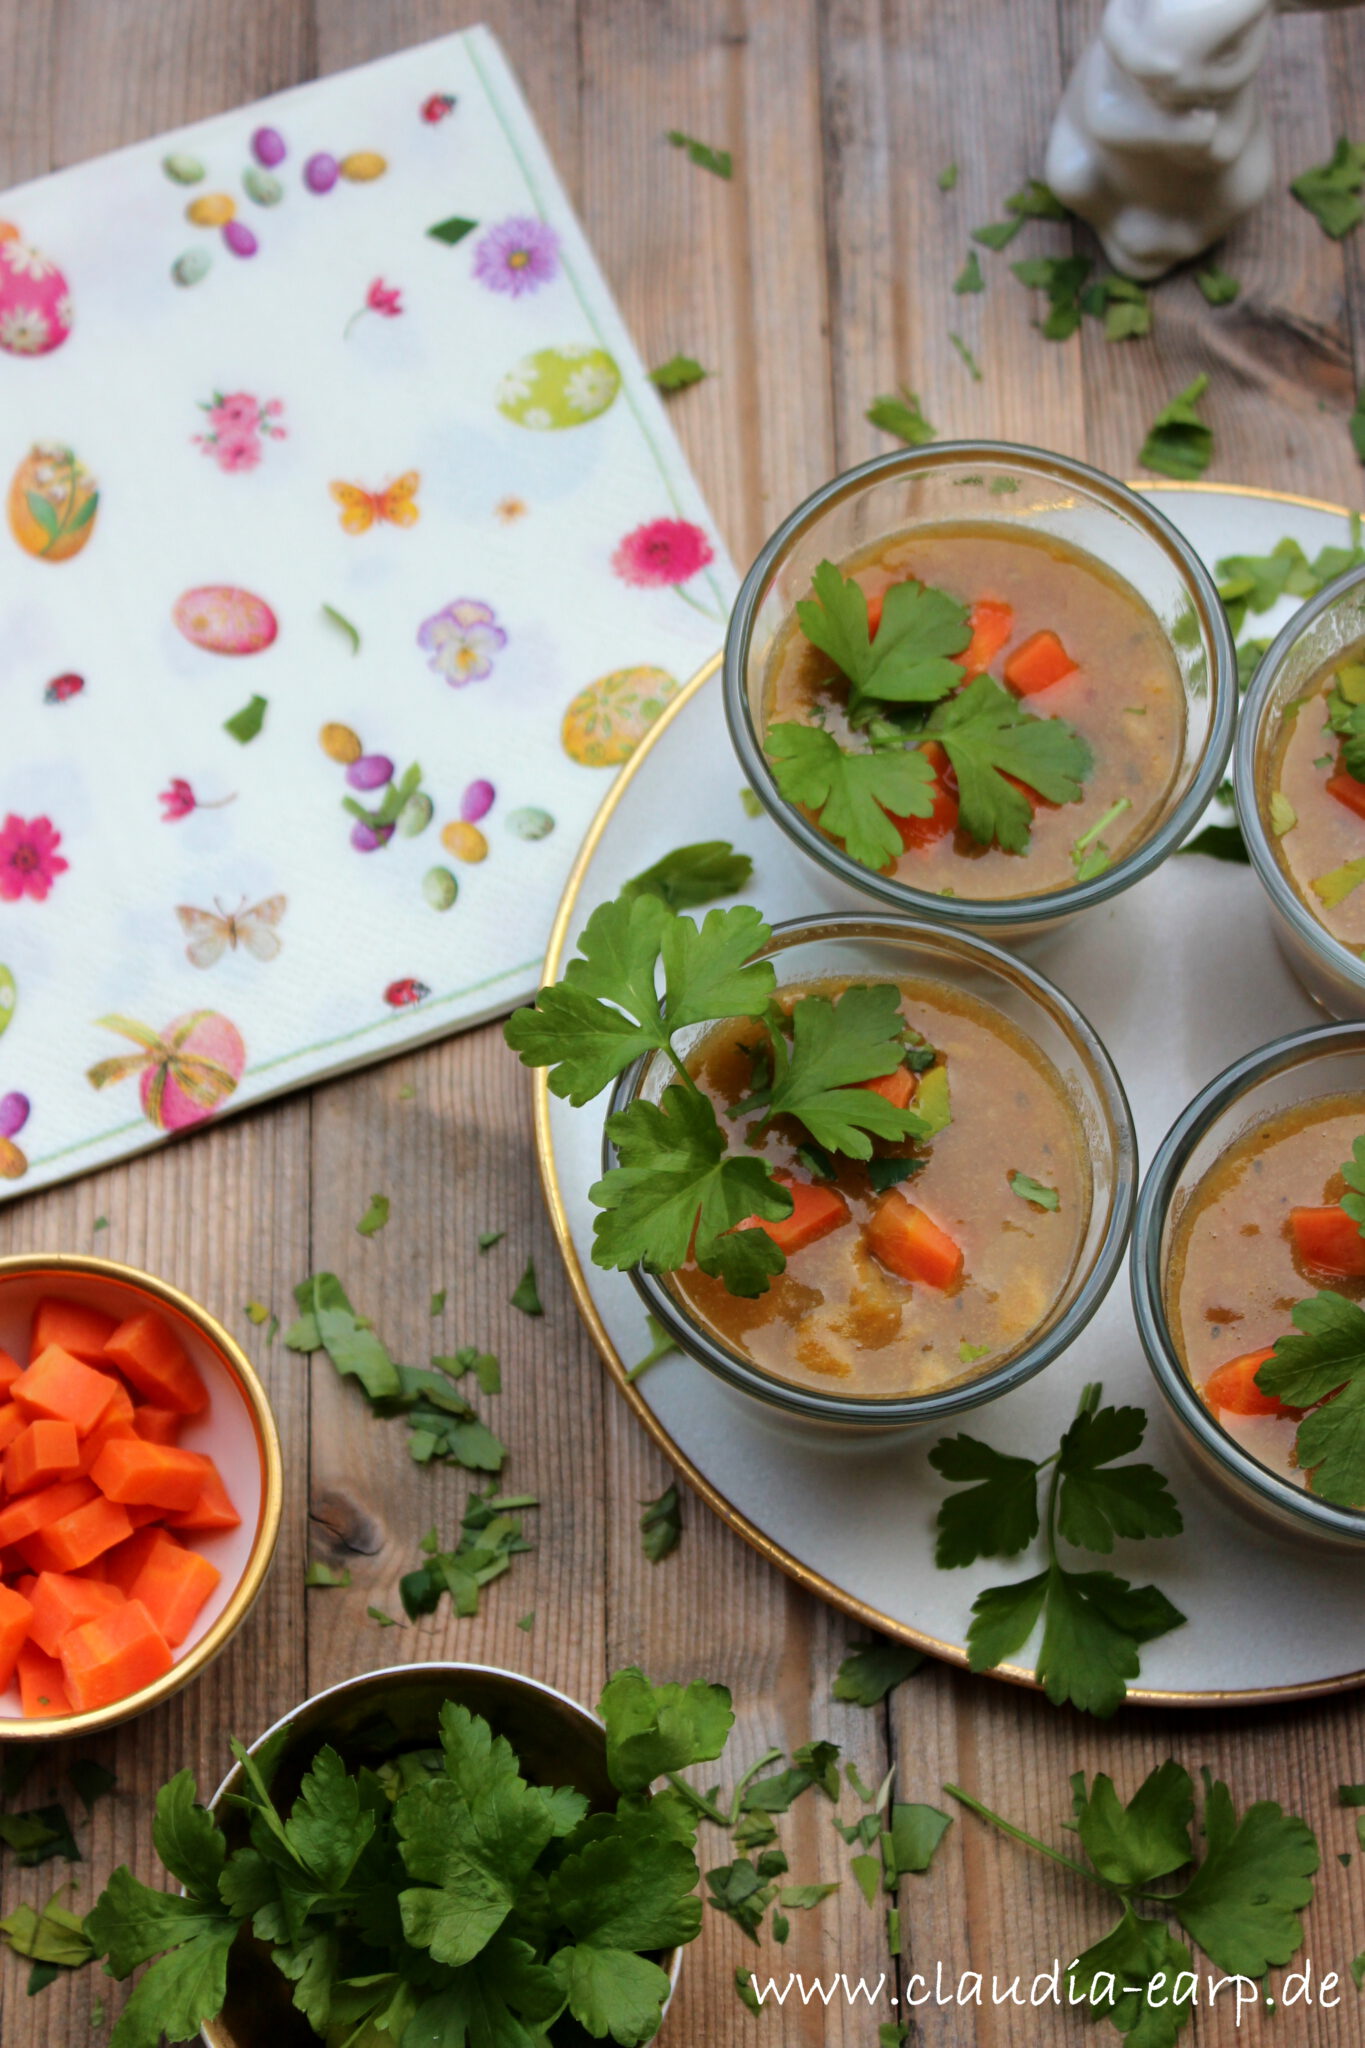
1326, 834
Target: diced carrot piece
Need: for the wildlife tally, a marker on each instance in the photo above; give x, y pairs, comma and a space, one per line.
1347, 791
943, 818
173, 1585
213, 1509
112, 1656
16, 1622
62, 1601
42, 1454
1038, 664
1329, 1241
10, 1370
60, 1387
139, 1474
12, 1420
120, 1407
67, 1544
25, 1583
1232, 1386
158, 1425
24, 1518
895, 1088
147, 1351
72, 1326
874, 614
911, 1243
140, 1515
815, 1212
992, 622
107, 1433
42, 1689
125, 1561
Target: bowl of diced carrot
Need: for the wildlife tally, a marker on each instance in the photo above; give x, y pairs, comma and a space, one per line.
140, 1490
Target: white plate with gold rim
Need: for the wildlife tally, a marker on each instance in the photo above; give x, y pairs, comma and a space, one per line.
1179, 975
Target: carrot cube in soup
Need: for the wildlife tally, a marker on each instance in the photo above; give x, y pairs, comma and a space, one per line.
72, 1326
149, 1354
75, 1539
139, 1474
173, 1585
42, 1689
60, 1387
158, 1425
815, 1212
1347, 791
41, 1454
912, 1244
1039, 663
12, 1421
112, 1656
62, 1601
1232, 1386
895, 1088
942, 819
23, 1518
214, 1509
16, 1621
1329, 1241
10, 1370
992, 622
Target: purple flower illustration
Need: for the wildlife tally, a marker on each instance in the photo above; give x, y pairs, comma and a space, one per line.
461, 640
517, 256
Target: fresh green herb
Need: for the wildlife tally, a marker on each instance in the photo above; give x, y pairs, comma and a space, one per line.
837, 1044
38, 1835
900, 414
1351, 1795
661, 1524
246, 723
1327, 1357
969, 278
947, 178
891, 1169
90, 1781
967, 1354
1358, 1970
488, 1238
1036, 201
443, 1897
1250, 655
718, 161
100, 1223
1356, 425
987, 737
661, 1345
384, 1620
375, 1217
438, 1302
256, 1312
818, 1163
1220, 842
1333, 888
341, 622
916, 1832
1061, 277
693, 875
483, 1365
1241, 1904
1093, 1621
855, 796
1179, 443
973, 367
1331, 191
678, 373
1123, 306
753, 807
321, 1574
1283, 816
998, 234
1089, 854
453, 230
869, 1672
1218, 288
491, 1535
526, 1295
527, 1622
55, 1936
1033, 1191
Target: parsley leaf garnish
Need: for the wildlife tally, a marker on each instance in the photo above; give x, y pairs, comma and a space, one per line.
678, 373
1093, 1622
987, 737
1029, 1190
971, 365
969, 279
1036, 201
947, 177
869, 1672
900, 414
692, 875
836, 1044
375, 1217
1061, 277
717, 161
908, 662
1331, 191
998, 234
1216, 285
854, 796
1179, 443
526, 1294
491, 1535
1328, 1354
661, 1524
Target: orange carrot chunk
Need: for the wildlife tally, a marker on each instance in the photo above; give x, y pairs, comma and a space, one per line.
107, 1433
173, 1585
992, 622
16, 1620
213, 1509
59, 1386
1329, 1241
874, 615
10, 1370
139, 1474
42, 1454
75, 1539
1232, 1386
23, 1518
120, 1407
62, 1601
1347, 791
158, 1425
42, 1690
12, 1420
895, 1088
75, 1328
147, 1351
123, 1563
112, 1656
943, 817
911, 1243
1038, 664
815, 1212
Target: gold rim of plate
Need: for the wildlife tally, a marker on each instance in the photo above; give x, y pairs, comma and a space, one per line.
804, 1575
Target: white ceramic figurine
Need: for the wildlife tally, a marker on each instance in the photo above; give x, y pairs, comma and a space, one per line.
1160, 141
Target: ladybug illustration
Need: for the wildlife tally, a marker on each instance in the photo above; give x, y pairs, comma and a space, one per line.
402, 995
438, 106
62, 687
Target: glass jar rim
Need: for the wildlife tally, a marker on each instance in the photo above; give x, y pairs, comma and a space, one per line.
987, 913
1090, 1287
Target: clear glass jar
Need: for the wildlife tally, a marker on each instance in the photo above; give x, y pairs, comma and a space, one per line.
1010, 487
877, 946
1319, 632
1328, 1059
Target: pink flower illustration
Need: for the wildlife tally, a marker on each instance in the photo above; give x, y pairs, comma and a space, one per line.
238, 409
517, 256
179, 800
661, 552
238, 427
381, 298
461, 641
29, 860
238, 451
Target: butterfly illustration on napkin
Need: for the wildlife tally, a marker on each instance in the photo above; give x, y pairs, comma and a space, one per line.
215, 932
362, 509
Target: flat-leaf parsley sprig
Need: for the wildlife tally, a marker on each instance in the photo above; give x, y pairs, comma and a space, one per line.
1240, 1905
1093, 1621
678, 1191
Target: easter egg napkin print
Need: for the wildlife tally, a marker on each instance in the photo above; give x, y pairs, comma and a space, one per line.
346, 553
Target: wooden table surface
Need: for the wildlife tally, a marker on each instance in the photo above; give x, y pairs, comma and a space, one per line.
816, 279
